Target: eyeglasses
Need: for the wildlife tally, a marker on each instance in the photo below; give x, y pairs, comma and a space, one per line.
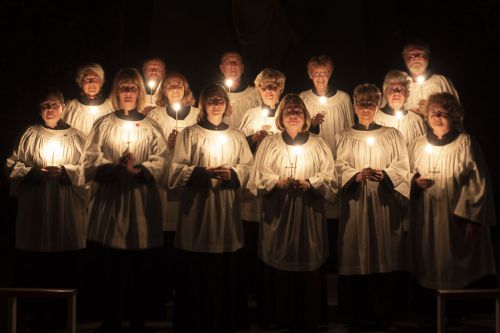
396, 90
46, 106
269, 86
174, 86
366, 105
320, 74
436, 114
231, 63
415, 55
216, 101
128, 89
88, 80
295, 111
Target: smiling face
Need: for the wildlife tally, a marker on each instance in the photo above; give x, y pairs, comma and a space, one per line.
50, 110
269, 92
396, 95
293, 117
91, 84
439, 119
320, 75
127, 95
416, 60
174, 89
232, 66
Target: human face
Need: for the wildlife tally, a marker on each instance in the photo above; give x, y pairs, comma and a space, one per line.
91, 84
127, 94
232, 66
320, 76
396, 95
416, 60
51, 111
215, 106
269, 92
174, 89
365, 110
439, 119
293, 117
153, 70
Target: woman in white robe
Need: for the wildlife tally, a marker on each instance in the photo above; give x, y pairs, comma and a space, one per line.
51, 213
125, 156
210, 162
452, 204
294, 173
373, 168
394, 114
242, 96
83, 111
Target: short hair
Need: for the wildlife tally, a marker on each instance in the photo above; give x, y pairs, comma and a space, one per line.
50, 92
128, 75
160, 60
187, 99
225, 54
269, 74
416, 44
317, 61
450, 103
397, 77
211, 90
289, 98
367, 92
86, 69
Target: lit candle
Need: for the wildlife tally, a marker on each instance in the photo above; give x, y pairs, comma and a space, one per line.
93, 110
420, 80
176, 106
265, 113
296, 151
322, 100
428, 150
152, 86
370, 141
53, 153
229, 84
128, 134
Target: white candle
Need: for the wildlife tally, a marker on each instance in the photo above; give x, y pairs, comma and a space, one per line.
420, 80
229, 84
128, 134
370, 141
93, 110
176, 106
296, 151
53, 153
152, 85
322, 100
428, 150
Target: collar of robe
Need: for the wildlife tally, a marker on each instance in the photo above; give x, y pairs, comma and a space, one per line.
133, 115
208, 125
300, 139
61, 125
181, 114
448, 138
330, 91
97, 100
373, 126
271, 111
391, 112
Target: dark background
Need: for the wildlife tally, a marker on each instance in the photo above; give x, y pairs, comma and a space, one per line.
43, 42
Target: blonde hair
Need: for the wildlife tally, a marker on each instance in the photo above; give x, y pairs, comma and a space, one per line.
187, 99
397, 77
289, 98
91, 68
317, 61
367, 92
269, 74
128, 75
211, 90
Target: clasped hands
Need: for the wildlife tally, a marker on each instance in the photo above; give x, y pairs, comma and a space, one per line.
219, 172
373, 175
289, 183
127, 163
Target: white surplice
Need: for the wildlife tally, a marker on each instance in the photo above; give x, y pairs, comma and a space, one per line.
241, 102
410, 124
82, 117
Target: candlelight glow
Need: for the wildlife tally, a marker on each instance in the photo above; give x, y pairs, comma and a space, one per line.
420, 79
93, 109
152, 84
229, 83
428, 148
399, 114
128, 134
370, 140
176, 106
264, 112
322, 100
221, 139
52, 153
296, 150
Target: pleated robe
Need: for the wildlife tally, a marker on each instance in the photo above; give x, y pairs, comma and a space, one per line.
82, 117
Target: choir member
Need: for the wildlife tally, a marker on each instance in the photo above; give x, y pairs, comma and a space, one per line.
210, 162
243, 97
125, 156
294, 173
82, 112
174, 112
424, 82
394, 114
452, 206
372, 163
331, 111
153, 71
51, 214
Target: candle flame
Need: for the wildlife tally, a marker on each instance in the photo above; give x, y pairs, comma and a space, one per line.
428, 148
152, 84
53, 153
370, 140
93, 109
420, 79
296, 150
221, 139
322, 100
176, 106
399, 114
264, 112
229, 83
